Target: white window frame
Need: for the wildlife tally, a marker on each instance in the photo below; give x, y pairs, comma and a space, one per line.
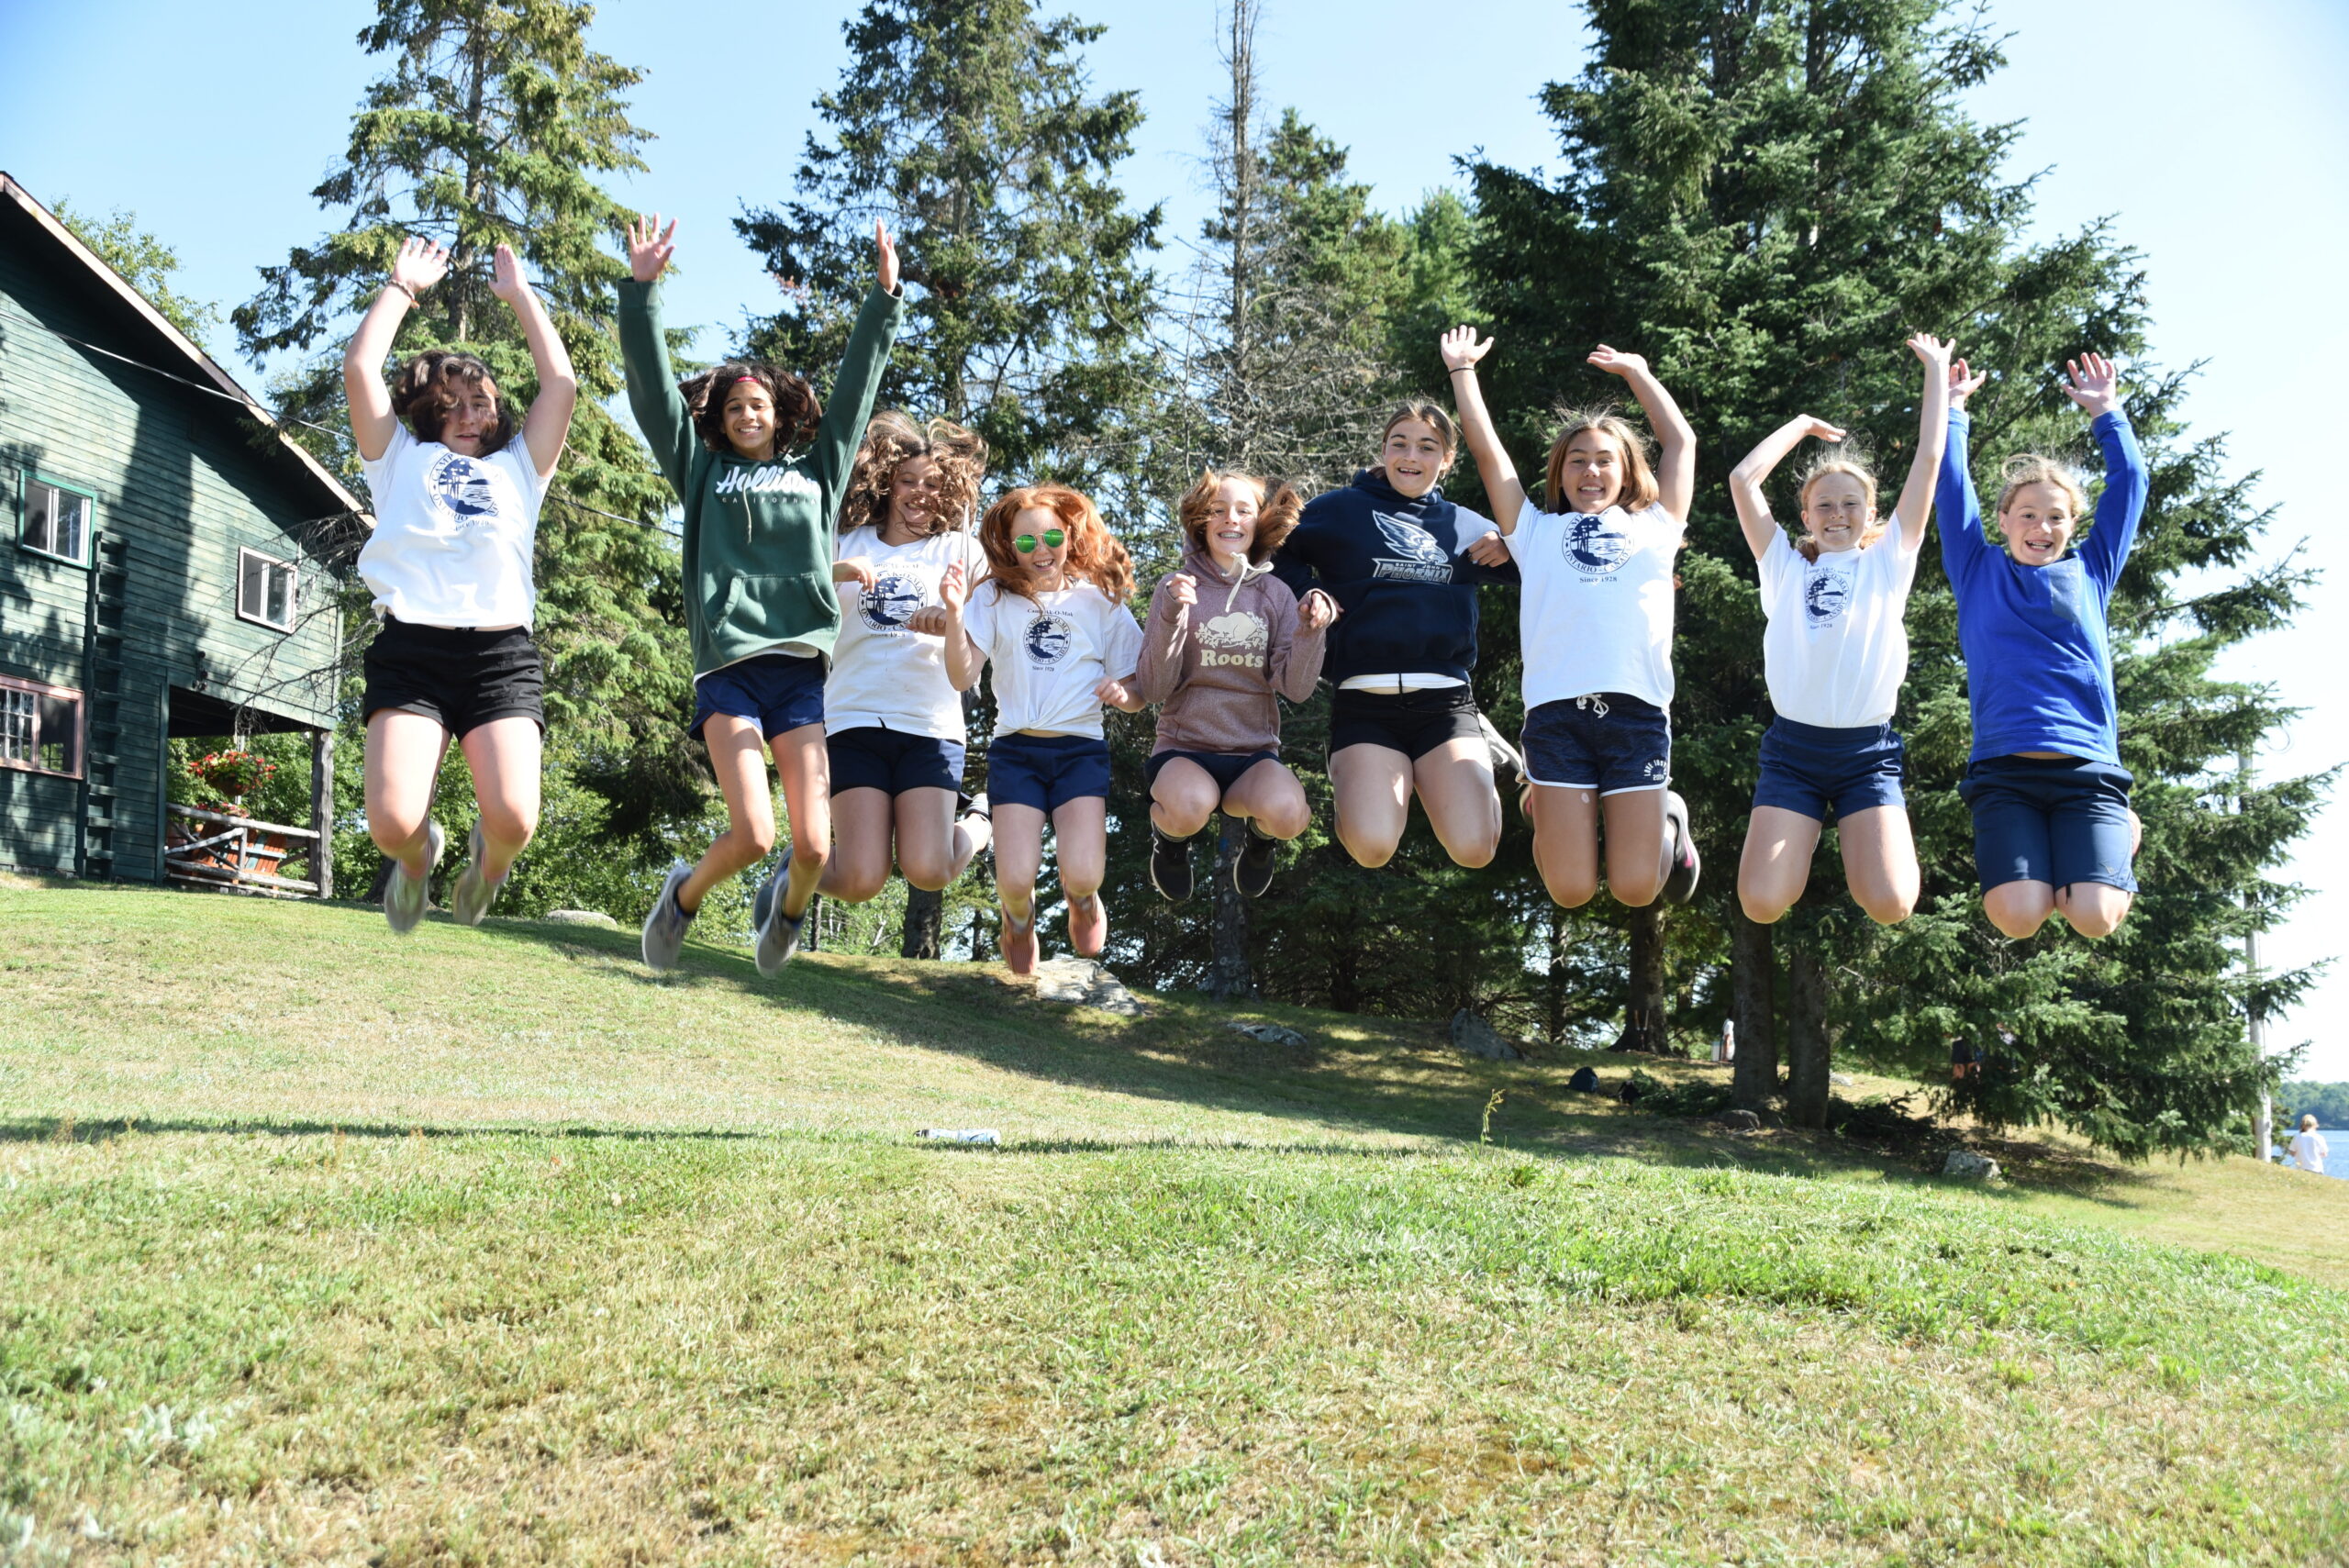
32, 481
293, 588
37, 690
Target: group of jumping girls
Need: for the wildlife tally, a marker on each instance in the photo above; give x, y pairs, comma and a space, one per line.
788, 500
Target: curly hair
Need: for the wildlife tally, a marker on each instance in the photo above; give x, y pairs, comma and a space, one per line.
426, 389
1277, 505
798, 410
2030, 468
1640, 487
1094, 552
1845, 459
892, 438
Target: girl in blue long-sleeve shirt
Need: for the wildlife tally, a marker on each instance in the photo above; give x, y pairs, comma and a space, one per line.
2052, 830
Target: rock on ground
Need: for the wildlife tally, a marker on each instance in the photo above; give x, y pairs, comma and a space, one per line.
1085, 982
1270, 1034
1474, 1036
1740, 1121
1966, 1164
580, 918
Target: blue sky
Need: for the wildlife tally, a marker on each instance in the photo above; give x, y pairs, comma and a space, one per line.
2217, 142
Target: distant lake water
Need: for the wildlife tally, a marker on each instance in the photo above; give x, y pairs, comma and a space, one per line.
2336, 1154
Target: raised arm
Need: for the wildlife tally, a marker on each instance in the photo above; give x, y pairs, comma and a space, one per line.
2094, 383
1461, 352
963, 655
1962, 544
652, 396
1676, 469
859, 381
548, 424
1162, 637
419, 265
1746, 479
1932, 434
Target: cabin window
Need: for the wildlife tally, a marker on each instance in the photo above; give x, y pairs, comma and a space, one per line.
57, 520
40, 728
265, 589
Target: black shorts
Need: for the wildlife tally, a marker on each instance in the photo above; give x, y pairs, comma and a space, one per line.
1413, 723
460, 678
869, 756
1224, 767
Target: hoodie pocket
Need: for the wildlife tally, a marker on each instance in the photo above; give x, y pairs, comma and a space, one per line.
787, 607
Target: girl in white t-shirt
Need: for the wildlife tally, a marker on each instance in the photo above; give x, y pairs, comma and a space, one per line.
1595, 623
2308, 1150
1052, 617
1835, 656
893, 722
457, 489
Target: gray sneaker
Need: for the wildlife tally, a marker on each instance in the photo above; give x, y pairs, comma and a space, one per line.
1680, 851
1508, 767
664, 929
408, 897
474, 893
778, 932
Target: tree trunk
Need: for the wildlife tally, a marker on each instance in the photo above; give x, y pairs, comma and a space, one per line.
1807, 1067
1229, 977
1754, 1076
1643, 1002
925, 928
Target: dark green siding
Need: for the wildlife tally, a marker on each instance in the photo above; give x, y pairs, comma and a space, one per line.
181, 484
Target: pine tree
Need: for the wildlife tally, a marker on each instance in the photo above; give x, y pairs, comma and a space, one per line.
145, 263
1765, 198
491, 126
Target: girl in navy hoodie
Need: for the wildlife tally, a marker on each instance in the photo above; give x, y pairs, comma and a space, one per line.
1395, 566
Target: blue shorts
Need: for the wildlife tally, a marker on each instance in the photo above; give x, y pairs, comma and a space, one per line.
892, 761
1224, 767
1046, 770
2053, 819
1610, 741
1810, 770
778, 691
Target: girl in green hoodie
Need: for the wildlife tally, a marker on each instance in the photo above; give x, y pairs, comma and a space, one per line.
760, 607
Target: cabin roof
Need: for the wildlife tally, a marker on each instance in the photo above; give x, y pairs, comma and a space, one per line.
181, 352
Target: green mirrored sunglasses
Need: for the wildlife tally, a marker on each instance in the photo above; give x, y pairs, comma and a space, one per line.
1026, 543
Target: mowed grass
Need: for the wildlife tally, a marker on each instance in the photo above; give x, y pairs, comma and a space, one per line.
319, 1247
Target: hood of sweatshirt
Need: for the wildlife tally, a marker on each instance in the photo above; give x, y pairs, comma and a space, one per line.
1200, 563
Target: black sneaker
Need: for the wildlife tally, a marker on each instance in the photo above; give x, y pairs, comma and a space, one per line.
1252, 868
1680, 874
1170, 865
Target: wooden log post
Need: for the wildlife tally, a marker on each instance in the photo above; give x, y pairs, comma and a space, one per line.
322, 810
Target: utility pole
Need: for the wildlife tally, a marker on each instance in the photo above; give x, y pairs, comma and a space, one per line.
2264, 1124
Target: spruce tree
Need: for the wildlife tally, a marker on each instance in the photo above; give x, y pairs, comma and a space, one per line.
1765, 198
491, 126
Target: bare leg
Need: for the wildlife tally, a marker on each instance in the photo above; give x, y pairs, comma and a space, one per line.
403, 751
1372, 789
805, 768
739, 760
2018, 909
858, 869
933, 848
1635, 845
1455, 786
1182, 797
1018, 856
1269, 795
1081, 843
1776, 863
2094, 909
1565, 842
505, 755
1880, 861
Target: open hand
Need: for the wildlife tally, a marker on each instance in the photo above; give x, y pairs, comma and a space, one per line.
2094, 383
1934, 351
1182, 588
1460, 349
650, 246
1965, 381
419, 265
1822, 429
856, 570
506, 276
1489, 549
1617, 363
888, 250
1316, 610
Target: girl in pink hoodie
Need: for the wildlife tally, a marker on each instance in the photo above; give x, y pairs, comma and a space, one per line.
1224, 636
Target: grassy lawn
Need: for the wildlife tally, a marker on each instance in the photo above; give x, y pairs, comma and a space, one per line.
488, 1246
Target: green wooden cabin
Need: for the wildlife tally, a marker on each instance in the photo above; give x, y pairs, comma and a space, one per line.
163, 571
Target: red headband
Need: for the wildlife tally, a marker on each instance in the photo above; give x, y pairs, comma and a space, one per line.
741, 379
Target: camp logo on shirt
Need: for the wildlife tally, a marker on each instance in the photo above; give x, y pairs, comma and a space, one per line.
765, 480
459, 489
1825, 592
1237, 640
1424, 560
1049, 640
891, 601
1594, 544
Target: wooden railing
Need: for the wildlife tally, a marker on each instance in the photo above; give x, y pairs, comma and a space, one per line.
225, 851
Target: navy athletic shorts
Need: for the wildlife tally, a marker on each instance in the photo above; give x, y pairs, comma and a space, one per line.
1046, 770
892, 761
778, 691
2053, 819
1810, 769
1610, 741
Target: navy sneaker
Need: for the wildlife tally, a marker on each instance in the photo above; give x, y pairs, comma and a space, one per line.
1680, 875
778, 932
1252, 868
1170, 866
664, 929
408, 897
471, 898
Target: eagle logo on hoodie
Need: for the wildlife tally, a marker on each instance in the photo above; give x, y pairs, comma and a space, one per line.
1422, 559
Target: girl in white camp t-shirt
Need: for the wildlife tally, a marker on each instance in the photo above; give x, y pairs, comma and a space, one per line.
1835, 656
1595, 624
892, 721
1051, 618
457, 489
